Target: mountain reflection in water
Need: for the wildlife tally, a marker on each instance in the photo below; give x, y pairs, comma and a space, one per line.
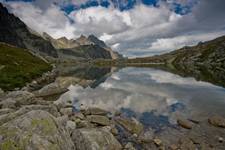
155, 97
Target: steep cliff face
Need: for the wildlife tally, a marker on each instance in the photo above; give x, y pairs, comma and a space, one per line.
82, 48
94, 39
85, 52
15, 32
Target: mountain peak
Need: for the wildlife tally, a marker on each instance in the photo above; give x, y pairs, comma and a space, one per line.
63, 39
83, 40
92, 36
95, 40
82, 37
3, 10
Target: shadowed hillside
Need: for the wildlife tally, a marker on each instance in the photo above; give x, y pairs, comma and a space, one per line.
18, 66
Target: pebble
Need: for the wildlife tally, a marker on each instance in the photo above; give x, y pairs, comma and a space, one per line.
158, 142
221, 139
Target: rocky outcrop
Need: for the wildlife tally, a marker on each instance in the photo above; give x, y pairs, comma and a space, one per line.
15, 32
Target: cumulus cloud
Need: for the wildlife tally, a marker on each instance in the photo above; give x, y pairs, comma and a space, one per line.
51, 20
140, 31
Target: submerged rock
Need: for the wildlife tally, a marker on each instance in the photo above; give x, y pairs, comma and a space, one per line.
217, 121
146, 137
94, 139
184, 123
133, 126
129, 146
34, 130
204, 136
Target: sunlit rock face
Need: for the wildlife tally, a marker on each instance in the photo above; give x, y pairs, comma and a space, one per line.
83, 47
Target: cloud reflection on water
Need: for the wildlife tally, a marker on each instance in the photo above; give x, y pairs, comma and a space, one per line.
150, 93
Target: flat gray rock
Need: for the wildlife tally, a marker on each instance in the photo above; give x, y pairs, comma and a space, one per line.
100, 120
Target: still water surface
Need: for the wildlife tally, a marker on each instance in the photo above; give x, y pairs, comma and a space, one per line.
154, 97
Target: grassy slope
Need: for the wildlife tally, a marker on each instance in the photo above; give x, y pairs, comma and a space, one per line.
18, 66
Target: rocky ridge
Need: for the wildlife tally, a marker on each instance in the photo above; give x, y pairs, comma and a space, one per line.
91, 46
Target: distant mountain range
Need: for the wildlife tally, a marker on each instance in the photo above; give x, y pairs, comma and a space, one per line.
211, 53
13, 31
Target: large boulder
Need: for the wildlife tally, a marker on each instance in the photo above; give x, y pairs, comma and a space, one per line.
34, 130
51, 89
94, 139
25, 109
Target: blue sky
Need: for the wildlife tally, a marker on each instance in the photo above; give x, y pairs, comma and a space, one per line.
132, 27
122, 5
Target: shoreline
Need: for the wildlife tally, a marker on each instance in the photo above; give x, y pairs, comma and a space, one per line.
87, 126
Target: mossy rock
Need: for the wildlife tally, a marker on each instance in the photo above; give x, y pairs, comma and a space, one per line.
36, 129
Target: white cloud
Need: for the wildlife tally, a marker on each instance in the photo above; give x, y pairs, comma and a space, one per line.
51, 20
181, 41
143, 30
100, 20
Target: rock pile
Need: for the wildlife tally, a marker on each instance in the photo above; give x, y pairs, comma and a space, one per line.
30, 122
